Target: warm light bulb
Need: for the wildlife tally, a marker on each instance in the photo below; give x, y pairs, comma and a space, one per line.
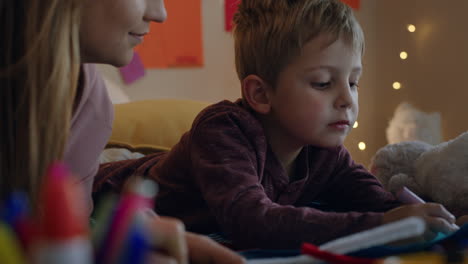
355, 124
411, 28
362, 145
403, 55
396, 85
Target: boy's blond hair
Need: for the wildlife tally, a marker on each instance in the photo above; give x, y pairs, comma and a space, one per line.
269, 34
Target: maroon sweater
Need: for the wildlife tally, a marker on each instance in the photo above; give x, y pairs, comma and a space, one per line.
223, 177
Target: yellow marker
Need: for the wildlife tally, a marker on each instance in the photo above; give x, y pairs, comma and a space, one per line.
10, 249
417, 258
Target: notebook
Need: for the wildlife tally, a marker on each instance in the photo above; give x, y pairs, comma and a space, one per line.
384, 234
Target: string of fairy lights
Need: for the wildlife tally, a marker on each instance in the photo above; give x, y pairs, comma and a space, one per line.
396, 85
404, 55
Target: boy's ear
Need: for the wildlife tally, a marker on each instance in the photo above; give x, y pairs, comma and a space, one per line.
255, 91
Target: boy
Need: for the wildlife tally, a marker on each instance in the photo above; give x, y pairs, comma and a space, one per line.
270, 170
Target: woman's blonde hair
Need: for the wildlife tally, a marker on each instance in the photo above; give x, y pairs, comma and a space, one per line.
270, 33
39, 66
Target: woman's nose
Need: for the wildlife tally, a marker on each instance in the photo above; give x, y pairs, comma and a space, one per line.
155, 11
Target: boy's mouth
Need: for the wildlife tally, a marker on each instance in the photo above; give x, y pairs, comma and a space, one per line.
341, 125
341, 122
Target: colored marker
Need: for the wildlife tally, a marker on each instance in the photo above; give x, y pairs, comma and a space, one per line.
16, 215
137, 197
104, 215
15, 207
137, 244
10, 248
316, 252
406, 196
63, 224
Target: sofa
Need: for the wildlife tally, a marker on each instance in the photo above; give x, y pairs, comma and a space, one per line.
149, 126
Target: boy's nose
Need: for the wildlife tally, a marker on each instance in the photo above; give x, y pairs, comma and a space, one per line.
155, 11
345, 105
345, 98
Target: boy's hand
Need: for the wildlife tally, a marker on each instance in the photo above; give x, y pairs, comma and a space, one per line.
437, 218
462, 220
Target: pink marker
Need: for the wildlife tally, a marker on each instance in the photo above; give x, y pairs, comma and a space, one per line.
406, 196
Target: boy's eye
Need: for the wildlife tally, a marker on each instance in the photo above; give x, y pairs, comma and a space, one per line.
320, 85
354, 85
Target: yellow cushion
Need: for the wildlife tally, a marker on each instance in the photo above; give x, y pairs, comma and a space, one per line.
153, 125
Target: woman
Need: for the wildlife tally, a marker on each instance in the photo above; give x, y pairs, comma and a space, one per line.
54, 106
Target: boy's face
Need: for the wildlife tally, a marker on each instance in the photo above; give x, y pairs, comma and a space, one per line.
315, 101
110, 29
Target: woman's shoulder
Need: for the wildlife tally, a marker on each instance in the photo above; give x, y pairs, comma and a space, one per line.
93, 83
93, 94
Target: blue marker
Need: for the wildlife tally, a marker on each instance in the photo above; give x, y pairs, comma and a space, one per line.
137, 244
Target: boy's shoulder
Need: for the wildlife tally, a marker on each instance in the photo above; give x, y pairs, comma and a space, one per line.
229, 117
226, 109
333, 155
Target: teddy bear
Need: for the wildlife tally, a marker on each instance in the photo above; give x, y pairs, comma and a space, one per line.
410, 123
436, 173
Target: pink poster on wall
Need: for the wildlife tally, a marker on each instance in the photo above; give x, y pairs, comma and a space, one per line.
133, 71
355, 4
230, 9
178, 41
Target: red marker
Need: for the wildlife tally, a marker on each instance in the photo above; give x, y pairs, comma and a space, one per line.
63, 223
314, 251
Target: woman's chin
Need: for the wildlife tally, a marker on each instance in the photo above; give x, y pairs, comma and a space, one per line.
122, 61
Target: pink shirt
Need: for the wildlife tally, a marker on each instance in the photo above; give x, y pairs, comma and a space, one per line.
91, 127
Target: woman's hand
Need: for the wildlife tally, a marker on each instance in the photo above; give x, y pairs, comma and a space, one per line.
168, 236
179, 247
203, 250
